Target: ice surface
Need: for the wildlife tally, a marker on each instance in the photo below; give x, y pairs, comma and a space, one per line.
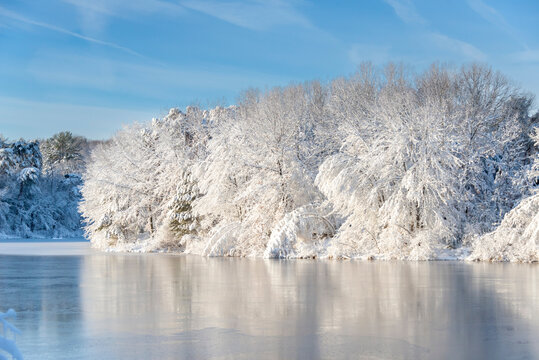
156, 306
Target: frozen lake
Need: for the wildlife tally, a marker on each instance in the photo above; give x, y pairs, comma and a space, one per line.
88, 305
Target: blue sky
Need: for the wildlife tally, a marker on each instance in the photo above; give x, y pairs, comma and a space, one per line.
89, 66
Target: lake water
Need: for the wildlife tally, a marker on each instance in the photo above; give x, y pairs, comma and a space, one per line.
89, 305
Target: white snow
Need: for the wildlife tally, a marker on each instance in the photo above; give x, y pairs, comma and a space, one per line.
44, 247
8, 336
33, 203
384, 164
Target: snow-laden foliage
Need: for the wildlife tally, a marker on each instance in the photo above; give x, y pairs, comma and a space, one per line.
182, 219
31, 203
401, 160
262, 164
382, 164
415, 171
63, 153
302, 233
517, 237
134, 187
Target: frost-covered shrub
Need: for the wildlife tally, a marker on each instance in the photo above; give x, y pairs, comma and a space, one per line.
302, 233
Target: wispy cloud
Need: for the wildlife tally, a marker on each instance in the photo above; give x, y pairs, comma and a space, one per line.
457, 46
94, 15
124, 8
253, 14
494, 17
527, 56
22, 19
156, 82
406, 11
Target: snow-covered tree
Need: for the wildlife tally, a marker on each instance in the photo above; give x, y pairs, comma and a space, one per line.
31, 203
183, 221
517, 237
414, 156
384, 163
63, 153
492, 125
20, 167
396, 179
132, 179
261, 166
8, 162
28, 181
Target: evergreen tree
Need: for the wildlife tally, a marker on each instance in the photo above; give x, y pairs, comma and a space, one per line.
182, 219
63, 152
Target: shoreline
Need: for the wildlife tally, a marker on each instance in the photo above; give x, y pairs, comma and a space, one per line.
80, 246
45, 247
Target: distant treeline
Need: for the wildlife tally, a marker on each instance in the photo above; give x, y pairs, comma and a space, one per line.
40, 186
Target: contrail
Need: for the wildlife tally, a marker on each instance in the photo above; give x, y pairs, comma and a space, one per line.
12, 15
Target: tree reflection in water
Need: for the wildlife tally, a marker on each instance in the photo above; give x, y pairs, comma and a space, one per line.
111, 306
197, 307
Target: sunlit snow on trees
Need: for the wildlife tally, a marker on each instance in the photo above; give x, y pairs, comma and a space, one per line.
382, 164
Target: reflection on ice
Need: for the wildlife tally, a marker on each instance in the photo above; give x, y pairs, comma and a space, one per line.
170, 307
212, 307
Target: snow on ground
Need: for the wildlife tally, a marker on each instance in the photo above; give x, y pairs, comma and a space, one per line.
45, 247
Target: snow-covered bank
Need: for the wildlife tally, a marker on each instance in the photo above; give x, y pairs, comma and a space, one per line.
303, 251
44, 247
385, 164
